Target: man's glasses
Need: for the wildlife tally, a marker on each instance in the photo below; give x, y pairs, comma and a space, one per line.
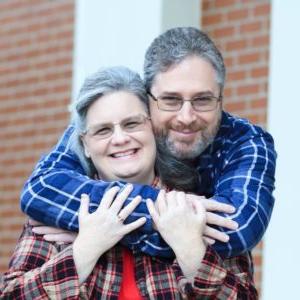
128, 125
199, 103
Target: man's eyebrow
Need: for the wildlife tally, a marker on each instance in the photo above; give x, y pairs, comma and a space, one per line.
200, 93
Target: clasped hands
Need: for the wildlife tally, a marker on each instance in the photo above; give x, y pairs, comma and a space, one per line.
166, 207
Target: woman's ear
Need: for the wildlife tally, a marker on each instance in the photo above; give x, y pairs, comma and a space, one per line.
85, 147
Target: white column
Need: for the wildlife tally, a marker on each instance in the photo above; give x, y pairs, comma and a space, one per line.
282, 243
117, 32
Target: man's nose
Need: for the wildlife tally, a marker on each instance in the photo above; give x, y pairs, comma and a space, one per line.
187, 114
119, 136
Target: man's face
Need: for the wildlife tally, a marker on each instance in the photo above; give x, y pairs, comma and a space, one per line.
187, 132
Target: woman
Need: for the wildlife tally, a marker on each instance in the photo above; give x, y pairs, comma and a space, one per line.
115, 141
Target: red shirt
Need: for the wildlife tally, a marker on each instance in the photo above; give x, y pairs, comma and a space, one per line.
129, 289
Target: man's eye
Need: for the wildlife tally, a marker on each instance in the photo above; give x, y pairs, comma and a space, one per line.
202, 100
171, 100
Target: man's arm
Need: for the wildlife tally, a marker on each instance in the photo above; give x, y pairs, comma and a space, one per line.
219, 279
52, 195
247, 182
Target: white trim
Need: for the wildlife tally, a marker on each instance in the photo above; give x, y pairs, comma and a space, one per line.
117, 32
282, 243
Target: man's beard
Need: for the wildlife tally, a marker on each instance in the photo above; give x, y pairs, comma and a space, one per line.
179, 150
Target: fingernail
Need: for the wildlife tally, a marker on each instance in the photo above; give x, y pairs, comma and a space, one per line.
236, 224
84, 196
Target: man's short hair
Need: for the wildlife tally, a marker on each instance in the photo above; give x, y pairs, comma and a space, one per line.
176, 44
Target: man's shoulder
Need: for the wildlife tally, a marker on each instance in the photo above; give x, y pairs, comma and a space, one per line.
235, 129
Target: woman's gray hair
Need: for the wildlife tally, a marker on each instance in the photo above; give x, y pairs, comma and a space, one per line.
174, 46
103, 82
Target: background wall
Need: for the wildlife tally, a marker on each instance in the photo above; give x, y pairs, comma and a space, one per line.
36, 49
47, 47
282, 242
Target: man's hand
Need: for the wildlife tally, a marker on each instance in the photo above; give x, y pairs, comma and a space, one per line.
211, 234
52, 234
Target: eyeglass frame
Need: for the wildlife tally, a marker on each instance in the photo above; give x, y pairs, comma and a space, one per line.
112, 126
185, 100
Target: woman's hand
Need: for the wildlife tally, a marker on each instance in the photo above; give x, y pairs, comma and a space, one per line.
181, 223
102, 229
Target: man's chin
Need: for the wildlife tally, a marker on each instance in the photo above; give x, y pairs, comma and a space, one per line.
184, 151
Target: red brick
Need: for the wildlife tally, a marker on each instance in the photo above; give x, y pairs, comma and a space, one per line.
251, 27
235, 106
236, 15
38, 36
260, 41
236, 45
223, 32
211, 19
248, 89
224, 3
260, 72
249, 58
236, 75
259, 103
262, 10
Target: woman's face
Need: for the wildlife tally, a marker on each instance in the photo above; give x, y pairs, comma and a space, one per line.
119, 138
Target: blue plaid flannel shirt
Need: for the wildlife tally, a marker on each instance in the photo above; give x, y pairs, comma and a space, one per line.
238, 168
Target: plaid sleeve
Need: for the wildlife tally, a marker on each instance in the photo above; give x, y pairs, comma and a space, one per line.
52, 196
39, 271
219, 279
247, 182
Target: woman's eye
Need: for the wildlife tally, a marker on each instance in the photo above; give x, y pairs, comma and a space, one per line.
102, 131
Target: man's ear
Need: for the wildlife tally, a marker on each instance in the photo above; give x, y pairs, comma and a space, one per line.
85, 147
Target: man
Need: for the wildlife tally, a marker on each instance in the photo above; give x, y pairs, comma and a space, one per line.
185, 75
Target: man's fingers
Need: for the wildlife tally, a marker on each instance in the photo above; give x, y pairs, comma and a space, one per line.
214, 219
216, 234
84, 205
134, 225
161, 204
213, 205
208, 240
47, 230
66, 237
34, 222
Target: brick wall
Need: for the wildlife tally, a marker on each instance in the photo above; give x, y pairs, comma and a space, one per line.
36, 48
241, 30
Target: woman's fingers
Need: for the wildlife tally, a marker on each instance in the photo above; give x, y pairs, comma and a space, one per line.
108, 198
129, 208
121, 198
216, 234
134, 225
215, 219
